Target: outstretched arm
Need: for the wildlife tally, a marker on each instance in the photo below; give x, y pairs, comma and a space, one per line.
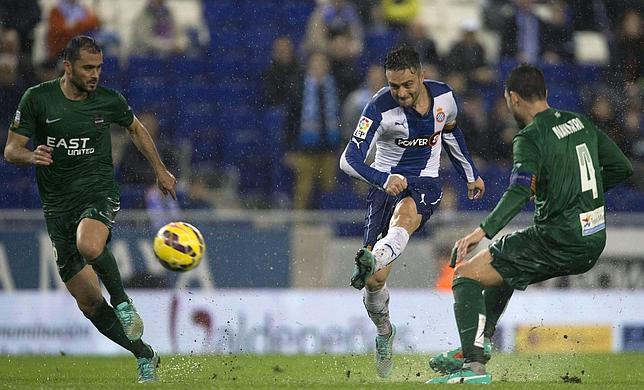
141, 138
522, 187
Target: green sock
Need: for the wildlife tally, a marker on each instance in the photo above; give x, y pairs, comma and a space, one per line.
108, 271
469, 310
496, 300
106, 322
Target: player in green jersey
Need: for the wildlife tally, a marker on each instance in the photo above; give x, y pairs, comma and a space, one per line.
562, 160
69, 120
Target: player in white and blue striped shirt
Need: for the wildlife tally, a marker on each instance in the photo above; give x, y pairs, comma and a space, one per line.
409, 123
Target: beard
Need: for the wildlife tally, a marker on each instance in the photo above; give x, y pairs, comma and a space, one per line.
409, 102
405, 103
83, 87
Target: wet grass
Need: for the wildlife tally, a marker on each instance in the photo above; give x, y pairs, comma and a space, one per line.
511, 371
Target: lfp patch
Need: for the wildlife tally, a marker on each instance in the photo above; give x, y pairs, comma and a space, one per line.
363, 127
16, 119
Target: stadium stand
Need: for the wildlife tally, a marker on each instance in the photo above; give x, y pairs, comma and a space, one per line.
211, 97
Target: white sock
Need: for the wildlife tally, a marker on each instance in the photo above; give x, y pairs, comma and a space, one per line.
377, 305
388, 248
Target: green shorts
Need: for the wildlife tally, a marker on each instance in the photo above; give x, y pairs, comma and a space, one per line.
526, 257
62, 232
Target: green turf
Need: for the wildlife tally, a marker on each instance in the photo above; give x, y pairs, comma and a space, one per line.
510, 371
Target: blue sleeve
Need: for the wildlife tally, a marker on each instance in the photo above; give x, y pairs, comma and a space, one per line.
353, 159
454, 143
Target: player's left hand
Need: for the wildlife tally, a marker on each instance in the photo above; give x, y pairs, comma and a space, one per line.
476, 189
465, 244
167, 183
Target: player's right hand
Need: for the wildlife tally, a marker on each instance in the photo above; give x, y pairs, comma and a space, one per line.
466, 244
42, 155
395, 184
167, 183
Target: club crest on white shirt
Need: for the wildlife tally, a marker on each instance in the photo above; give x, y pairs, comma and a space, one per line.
440, 115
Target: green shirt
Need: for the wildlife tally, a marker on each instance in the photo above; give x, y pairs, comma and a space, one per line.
79, 133
566, 163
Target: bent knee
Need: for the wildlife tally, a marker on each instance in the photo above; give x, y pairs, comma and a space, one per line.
479, 268
89, 250
89, 305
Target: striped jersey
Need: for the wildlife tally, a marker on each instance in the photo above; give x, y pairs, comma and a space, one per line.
406, 142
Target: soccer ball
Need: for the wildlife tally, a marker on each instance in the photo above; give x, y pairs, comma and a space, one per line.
179, 246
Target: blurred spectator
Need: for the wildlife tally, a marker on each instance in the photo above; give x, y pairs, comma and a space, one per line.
627, 57
400, 13
48, 70
527, 38
365, 9
10, 46
377, 24
358, 99
134, 168
495, 13
10, 42
415, 35
22, 16
314, 133
473, 120
68, 19
161, 209
557, 35
501, 130
520, 33
468, 56
11, 88
633, 128
592, 15
335, 29
155, 31
615, 10
12, 82
603, 114
458, 82
282, 75
196, 195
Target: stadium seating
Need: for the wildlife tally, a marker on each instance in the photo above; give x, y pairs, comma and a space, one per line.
213, 101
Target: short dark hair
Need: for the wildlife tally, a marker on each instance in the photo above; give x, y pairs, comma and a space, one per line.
528, 81
402, 57
78, 43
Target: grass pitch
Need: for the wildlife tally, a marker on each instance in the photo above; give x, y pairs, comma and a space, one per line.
510, 371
